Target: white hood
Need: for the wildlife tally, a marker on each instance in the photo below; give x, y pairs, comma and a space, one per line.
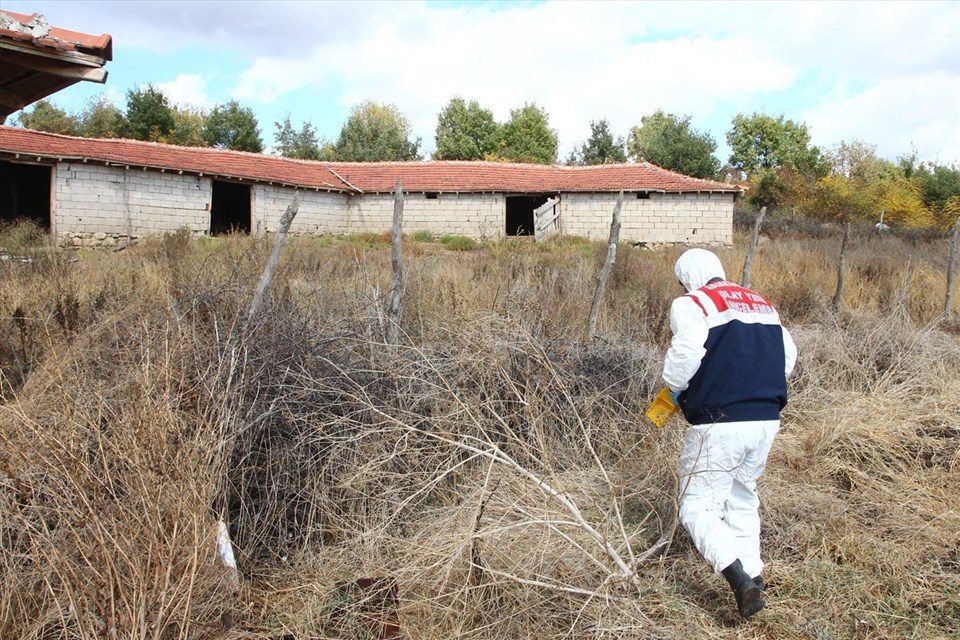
697, 267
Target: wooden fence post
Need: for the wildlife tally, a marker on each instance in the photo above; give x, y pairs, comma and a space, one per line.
951, 268
393, 318
285, 221
607, 267
838, 296
745, 276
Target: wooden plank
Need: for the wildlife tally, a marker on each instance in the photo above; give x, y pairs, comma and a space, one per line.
607, 268
61, 69
544, 219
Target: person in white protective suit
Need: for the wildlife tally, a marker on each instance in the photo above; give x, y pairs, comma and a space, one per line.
727, 369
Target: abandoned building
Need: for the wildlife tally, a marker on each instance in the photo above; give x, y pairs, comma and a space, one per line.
108, 189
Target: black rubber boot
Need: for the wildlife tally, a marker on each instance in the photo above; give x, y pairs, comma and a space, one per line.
745, 590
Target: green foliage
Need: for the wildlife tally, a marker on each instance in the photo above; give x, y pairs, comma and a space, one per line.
45, 116
859, 160
422, 235
101, 118
939, 183
302, 144
770, 188
231, 126
458, 243
759, 142
376, 133
149, 114
187, 130
669, 141
527, 137
600, 148
465, 131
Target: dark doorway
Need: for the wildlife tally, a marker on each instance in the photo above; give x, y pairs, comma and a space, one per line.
25, 193
230, 209
520, 214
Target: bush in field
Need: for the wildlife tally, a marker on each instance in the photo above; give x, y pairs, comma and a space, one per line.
459, 243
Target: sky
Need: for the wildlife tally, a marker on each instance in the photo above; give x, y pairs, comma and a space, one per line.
884, 73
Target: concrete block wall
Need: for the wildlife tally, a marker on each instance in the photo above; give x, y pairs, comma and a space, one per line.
695, 218
319, 211
93, 198
477, 215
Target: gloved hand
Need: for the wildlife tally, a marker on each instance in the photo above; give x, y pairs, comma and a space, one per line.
675, 397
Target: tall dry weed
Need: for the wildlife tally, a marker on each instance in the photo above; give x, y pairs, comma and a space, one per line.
480, 479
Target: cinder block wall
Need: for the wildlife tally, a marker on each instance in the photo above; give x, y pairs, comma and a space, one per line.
91, 198
479, 216
319, 211
700, 218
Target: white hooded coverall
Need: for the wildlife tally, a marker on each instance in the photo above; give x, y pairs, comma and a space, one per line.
729, 359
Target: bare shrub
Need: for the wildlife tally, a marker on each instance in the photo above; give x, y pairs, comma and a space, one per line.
489, 476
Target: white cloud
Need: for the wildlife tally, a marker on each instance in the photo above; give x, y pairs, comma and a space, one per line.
580, 61
895, 115
186, 90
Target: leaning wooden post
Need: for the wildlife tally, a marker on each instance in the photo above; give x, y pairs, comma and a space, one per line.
745, 276
393, 319
838, 296
285, 221
607, 267
951, 268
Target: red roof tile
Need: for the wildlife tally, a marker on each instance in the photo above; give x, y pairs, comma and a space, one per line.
215, 162
518, 178
382, 177
34, 29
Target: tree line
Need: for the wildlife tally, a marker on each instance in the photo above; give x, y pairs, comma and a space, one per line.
771, 155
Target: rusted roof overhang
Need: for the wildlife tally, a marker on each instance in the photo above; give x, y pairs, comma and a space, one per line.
37, 60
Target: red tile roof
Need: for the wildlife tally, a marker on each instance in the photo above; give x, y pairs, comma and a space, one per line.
35, 30
202, 160
518, 178
446, 176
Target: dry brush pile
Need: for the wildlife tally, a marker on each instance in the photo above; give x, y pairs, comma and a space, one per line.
490, 476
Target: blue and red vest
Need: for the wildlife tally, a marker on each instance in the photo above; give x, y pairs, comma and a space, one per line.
741, 376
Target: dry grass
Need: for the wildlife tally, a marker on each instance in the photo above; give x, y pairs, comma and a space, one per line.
489, 472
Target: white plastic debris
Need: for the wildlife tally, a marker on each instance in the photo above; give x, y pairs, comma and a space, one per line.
225, 549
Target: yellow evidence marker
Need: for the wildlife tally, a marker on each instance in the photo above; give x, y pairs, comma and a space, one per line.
662, 408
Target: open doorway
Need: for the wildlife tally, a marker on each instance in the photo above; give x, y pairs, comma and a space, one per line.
230, 208
25, 193
520, 214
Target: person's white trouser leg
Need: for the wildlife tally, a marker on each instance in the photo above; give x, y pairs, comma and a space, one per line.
741, 514
719, 467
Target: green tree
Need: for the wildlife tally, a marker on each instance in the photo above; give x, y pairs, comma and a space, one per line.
45, 116
669, 141
101, 118
465, 131
231, 126
527, 137
859, 160
760, 142
376, 133
149, 114
600, 148
188, 125
302, 144
939, 183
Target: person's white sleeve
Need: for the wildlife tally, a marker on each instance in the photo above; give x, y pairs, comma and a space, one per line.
789, 352
689, 327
